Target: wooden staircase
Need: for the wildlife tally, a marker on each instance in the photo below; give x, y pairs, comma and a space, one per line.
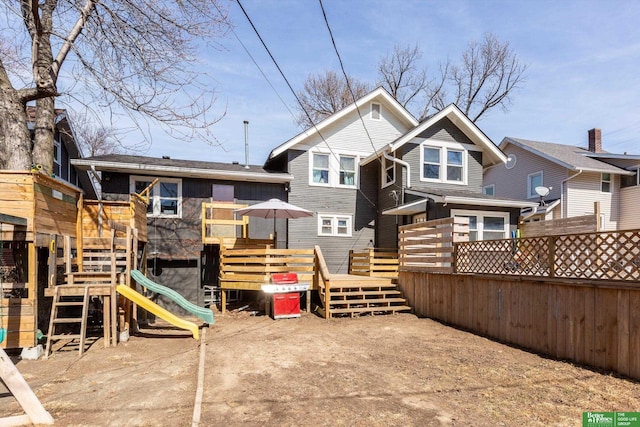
355, 295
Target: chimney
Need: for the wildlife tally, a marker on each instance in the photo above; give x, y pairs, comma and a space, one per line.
595, 140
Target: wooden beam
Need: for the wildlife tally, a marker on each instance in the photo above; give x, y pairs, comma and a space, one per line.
22, 392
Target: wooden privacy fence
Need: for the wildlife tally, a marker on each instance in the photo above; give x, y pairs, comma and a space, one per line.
429, 246
374, 262
611, 255
596, 323
578, 224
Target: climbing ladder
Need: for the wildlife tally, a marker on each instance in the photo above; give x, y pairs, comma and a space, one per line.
60, 300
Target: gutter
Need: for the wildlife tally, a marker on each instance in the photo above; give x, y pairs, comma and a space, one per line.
401, 163
185, 172
562, 185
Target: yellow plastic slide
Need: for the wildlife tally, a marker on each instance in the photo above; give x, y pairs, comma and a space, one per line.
154, 308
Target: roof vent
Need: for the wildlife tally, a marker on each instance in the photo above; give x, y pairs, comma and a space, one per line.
166, 157
235, 163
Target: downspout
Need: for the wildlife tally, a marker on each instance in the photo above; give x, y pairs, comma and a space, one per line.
401, 163
562, 186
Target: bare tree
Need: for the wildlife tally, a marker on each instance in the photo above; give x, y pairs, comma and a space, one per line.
96, 139
325, 94
485, 78
400, 74
136, 54
488, 73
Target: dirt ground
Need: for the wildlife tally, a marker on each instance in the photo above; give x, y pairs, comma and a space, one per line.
369, 371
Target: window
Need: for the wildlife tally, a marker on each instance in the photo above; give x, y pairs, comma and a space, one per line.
454, 165
443, 164
605, 183
375, 111
388, 173
333, 169
334, 225
533, 180
489, 190
485, 225
347, 170
165, 198
431, 163
321, 168
57, 156
630, 180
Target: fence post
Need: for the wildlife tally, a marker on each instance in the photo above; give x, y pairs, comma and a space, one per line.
454, 262
552, 256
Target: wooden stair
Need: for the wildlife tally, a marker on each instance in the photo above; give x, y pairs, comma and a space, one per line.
354, 295
60, 300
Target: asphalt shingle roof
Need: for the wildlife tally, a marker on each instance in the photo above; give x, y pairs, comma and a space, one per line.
569, 156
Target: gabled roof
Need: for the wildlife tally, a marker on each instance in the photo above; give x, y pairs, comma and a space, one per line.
180, 168
493, 154
379, 94
570, 157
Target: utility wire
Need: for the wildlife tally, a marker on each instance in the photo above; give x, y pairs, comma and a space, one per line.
335, 48
295, 94
254, 61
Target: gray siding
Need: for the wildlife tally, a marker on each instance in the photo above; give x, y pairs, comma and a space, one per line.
512, 183
303, 232
445, 130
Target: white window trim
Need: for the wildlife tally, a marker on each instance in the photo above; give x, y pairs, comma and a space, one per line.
531, 192
385, 167
334, 225
482, 214
57, 159
154, 196
356, 162
486, 187
379, 111
602, 181
319, 184
334, 169
443, 146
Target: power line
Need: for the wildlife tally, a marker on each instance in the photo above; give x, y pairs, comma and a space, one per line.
296, 95
254, 61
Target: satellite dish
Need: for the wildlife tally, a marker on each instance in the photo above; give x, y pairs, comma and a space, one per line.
511, 161
542, 191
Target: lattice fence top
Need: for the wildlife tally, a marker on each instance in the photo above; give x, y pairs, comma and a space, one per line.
604, 255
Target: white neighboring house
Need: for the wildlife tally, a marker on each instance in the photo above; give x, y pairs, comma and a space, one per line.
576, 178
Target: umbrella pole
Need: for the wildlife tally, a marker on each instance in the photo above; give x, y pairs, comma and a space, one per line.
275, 232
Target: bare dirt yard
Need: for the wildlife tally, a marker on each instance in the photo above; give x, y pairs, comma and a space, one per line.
369, 371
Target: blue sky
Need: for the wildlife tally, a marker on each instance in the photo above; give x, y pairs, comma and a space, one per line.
583, 58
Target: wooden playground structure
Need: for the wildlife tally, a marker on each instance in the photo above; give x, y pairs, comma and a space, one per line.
56, 244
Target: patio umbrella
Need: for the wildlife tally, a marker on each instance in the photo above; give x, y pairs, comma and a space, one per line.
274, 208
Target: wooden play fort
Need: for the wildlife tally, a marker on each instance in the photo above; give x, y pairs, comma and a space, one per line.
56, 244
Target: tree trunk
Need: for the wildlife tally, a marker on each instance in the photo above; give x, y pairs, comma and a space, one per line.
44, 134
15, 140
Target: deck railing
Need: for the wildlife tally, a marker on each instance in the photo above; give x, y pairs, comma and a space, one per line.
612, 255
374, 262
219, 222
429, 246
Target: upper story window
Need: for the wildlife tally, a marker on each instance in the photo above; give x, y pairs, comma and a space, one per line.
489, 190
165, 198
333, 170
320, 173
444, 163
388, 172
533, 180
375, 111
334, 225
57, 156
347, 170
605, 183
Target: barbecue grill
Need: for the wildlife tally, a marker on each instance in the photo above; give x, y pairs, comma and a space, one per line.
285, 295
